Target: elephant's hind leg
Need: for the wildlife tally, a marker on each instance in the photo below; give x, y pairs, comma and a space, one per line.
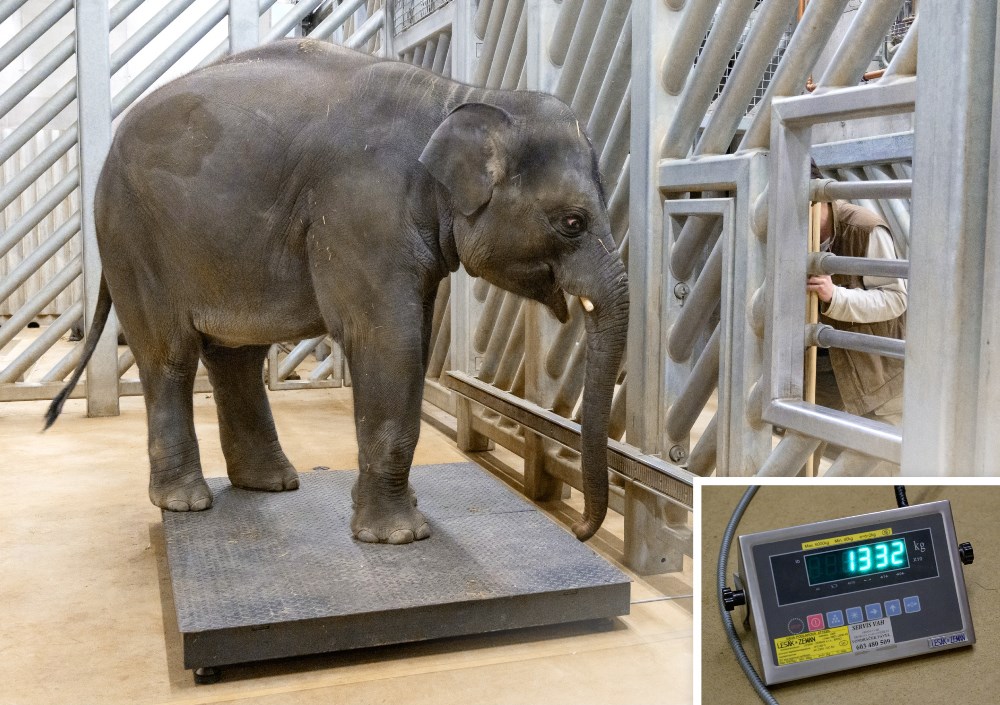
254, 459
176, 482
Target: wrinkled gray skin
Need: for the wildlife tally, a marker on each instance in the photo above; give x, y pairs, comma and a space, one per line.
303, 188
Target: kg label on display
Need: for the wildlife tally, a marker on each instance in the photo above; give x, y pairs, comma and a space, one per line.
872, 635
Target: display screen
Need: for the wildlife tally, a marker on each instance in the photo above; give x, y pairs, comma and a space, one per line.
855, 561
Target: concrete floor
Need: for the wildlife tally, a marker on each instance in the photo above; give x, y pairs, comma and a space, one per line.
965, 675
86, 613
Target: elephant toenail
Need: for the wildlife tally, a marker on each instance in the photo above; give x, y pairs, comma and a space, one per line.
177, 505
401, 536
423, 532
367, 536
202, 504
292, 484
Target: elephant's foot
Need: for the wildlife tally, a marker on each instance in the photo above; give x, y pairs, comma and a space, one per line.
187, 493
389, 522
267, 477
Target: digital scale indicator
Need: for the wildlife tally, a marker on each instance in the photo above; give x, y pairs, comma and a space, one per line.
856, 591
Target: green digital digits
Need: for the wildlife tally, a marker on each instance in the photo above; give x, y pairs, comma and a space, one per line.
830, 566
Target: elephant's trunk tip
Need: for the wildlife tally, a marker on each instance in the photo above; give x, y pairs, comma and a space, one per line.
587, 527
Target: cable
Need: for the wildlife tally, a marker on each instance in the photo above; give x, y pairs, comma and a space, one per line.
901, 500
727, 620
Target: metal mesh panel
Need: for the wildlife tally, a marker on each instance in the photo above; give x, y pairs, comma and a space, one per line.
406, 13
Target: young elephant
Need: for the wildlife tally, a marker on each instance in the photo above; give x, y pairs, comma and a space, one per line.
302, 188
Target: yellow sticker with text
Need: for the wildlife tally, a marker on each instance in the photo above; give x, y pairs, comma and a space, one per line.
850, 538
812, 645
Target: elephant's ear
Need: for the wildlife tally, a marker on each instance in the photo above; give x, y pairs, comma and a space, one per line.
464, 154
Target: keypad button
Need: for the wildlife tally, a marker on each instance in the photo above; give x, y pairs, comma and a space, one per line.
835, 619
815, 622
893, 608
873, 611
911, 604
855, 615
796, 625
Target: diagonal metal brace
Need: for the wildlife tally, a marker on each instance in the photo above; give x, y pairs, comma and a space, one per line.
628, 461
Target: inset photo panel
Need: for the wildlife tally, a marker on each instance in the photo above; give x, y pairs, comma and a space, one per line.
849, 594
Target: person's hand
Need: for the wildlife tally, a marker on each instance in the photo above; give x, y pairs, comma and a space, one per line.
823, 286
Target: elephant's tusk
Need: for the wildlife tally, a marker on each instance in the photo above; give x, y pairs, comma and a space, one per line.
588, 305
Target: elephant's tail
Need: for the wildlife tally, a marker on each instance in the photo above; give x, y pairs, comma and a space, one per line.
93, 335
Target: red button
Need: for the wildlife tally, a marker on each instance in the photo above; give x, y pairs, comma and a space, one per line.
815, 622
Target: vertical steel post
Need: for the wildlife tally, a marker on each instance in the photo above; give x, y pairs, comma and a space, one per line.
947, 253
654, 29
93, 71
463, 301
540, 327
988, 432
244, 25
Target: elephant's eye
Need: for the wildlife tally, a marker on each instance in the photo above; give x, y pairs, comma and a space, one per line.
572, 224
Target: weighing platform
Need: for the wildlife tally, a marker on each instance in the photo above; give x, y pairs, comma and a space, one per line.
269, 575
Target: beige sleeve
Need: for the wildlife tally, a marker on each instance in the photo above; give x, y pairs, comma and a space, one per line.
882, 299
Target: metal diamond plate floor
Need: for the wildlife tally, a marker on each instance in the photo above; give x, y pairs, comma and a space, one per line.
267, 575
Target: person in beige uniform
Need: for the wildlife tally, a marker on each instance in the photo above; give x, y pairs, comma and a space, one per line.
859, 383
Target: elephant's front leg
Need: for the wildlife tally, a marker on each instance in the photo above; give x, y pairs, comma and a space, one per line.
387, 373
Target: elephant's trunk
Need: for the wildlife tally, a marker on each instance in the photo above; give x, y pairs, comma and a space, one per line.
607, 327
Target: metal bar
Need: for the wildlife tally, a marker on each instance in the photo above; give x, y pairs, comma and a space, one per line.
366, 31
866, 101
904, 63
826, 190
65, 365
332, 22
29, 34
731, 107
851, 464
694, 26
829, 263
864, 435
703, 380
489, 44
444, 43
244, 25
223, 48
599, 56
614, 86
436, 24
645, 469
789, 456
34, 76
23, 362
54, 59
702, 459
696, 231
168, 58
810, 37
505, 42
9, 7
565, 25
93, 70
33, 262
125, 361
31, 308
290, 20
297, 355
42, 208
519, 55
826, 336
654, 29
861, 152
579, 47
950, 221
698, 307
895, 210
32, 125
147, 32
860, 42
